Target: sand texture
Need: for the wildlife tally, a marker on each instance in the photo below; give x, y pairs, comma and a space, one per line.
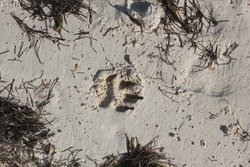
116, 81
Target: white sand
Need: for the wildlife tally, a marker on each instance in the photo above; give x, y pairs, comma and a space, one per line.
198, 140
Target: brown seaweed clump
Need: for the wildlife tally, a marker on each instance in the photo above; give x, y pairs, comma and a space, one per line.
17, 121
21, 129
139, 156
55, 9
44, 11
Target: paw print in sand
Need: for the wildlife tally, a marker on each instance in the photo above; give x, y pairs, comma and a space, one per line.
120, 89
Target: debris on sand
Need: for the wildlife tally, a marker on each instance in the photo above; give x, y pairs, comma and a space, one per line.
139, 156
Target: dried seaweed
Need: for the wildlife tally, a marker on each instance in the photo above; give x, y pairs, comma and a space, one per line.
47, 10
17, 121
210, 55
138, 156
184, 18
71, 160
21, 130
55, 9
24, 136
32, 33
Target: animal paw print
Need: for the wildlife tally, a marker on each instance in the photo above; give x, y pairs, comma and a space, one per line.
120, 89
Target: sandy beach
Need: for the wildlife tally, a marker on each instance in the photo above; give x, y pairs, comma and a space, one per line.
116, 80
